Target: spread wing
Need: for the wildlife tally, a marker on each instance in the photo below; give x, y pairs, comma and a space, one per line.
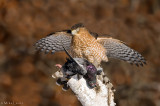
55, 42
117, 49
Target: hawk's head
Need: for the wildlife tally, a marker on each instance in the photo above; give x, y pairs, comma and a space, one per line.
76, 28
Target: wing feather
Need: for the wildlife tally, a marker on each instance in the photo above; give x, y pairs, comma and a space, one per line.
54, 42
119, 50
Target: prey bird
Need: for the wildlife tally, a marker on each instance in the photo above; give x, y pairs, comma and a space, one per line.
77, 66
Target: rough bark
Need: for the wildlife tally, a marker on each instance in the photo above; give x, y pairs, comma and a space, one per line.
102, 95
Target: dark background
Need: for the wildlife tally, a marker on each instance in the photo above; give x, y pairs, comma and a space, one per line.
25, 75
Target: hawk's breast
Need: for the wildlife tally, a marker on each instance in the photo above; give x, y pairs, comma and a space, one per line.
87, 46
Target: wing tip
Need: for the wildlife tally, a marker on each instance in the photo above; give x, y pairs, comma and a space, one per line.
138, 63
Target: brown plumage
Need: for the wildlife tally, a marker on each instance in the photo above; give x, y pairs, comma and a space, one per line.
86, 44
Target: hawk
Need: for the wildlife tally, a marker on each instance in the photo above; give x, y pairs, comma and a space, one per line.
85, 44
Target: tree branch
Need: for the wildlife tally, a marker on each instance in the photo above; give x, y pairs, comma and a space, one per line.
102, 95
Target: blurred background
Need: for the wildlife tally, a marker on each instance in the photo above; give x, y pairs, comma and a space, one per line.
25, 75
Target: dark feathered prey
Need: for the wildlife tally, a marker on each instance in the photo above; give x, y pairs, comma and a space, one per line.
79, 66
91, 75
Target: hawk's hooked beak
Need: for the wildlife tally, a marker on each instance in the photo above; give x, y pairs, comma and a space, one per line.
75, 31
